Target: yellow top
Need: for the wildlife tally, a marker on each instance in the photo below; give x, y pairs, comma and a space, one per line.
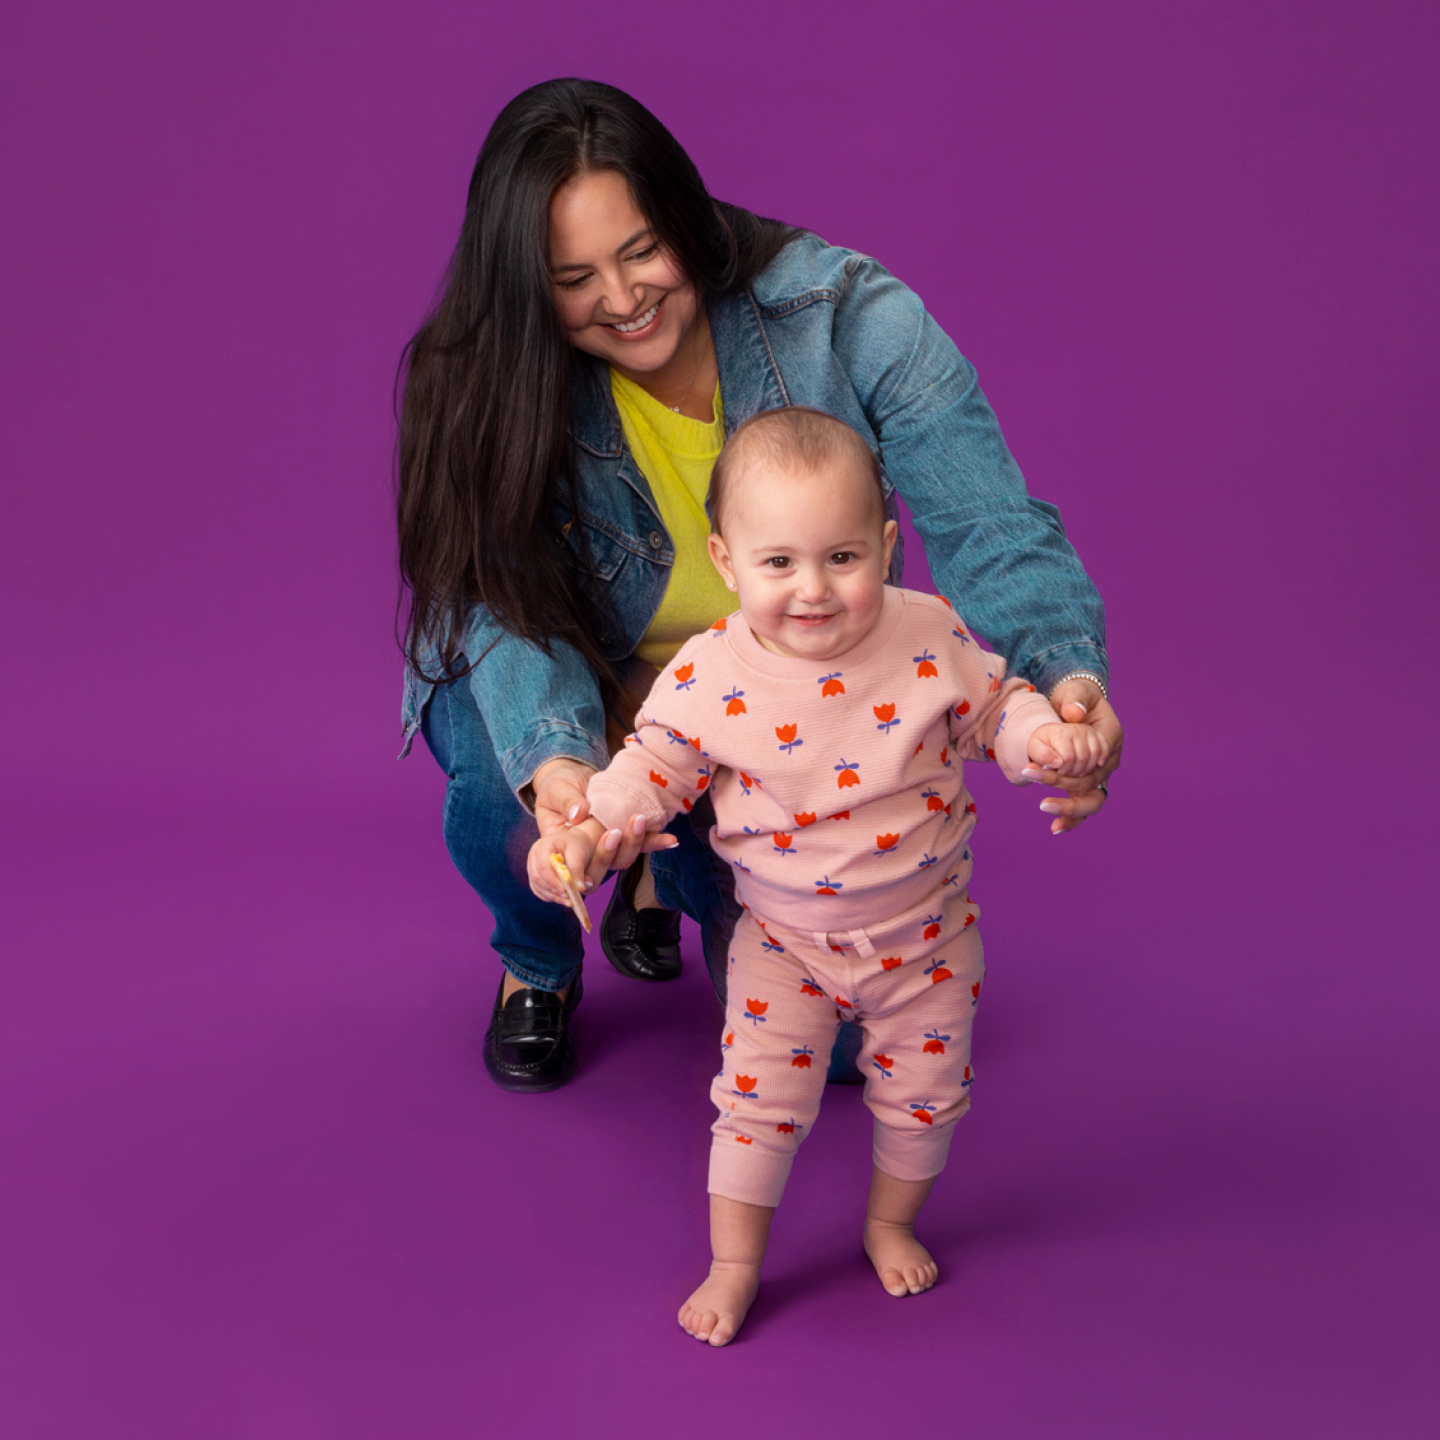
676, 455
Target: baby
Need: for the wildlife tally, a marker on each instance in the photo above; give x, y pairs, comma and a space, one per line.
828, 718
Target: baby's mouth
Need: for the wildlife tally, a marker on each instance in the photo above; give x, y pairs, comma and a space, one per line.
810, 621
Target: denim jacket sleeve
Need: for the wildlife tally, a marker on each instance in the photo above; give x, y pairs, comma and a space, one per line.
942, 448
537, 707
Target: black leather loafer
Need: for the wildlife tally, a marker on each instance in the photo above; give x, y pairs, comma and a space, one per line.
643, 944
528, 1047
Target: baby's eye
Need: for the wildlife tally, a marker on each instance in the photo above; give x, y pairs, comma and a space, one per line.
842, 557
778, 562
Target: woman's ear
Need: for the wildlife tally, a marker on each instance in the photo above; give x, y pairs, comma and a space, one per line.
720, 558
887, 544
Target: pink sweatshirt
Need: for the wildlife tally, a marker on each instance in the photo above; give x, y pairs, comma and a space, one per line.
837, 786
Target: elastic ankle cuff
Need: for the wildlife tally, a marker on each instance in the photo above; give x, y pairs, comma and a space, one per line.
917, 1154
746, 1172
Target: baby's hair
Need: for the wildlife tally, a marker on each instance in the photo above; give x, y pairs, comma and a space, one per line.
788, 438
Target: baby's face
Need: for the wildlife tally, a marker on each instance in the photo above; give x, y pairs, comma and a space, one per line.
807, 552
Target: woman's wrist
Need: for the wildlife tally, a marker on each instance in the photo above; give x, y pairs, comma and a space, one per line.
1090, 678
558, 764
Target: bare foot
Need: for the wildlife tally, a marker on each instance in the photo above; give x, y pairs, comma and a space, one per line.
900, 1260
719, 1307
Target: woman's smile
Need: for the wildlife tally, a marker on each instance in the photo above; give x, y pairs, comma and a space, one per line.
642, 327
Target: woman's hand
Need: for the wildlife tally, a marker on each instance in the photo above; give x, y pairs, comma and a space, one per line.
561, 803
1080, 702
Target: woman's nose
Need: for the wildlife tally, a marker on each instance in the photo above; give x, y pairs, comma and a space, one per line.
621, 299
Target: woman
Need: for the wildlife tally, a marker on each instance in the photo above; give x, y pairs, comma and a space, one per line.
603, 325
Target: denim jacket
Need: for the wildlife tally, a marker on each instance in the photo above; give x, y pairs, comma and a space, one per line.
830, 328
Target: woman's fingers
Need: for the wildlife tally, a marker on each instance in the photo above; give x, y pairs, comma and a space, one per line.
632, 843
602, 860
1075, 808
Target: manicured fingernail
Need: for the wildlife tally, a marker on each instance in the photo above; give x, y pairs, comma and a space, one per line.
1050, 807
1031, 772
670, 842
574, 811
613, 838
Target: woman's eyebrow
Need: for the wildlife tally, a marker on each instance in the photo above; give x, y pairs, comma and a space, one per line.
583, 265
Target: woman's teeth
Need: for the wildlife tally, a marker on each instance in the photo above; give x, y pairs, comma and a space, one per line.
641, 323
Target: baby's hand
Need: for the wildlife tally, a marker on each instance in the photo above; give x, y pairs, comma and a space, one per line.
1071, 749
589, 850
579, 847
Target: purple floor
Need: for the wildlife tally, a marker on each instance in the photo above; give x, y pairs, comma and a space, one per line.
254, 1182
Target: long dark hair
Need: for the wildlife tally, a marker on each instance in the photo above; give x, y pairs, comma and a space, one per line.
485, 456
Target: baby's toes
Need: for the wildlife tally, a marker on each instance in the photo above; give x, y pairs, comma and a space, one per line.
894, 1281
723, 1331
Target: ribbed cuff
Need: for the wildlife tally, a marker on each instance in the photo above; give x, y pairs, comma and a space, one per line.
741, 1170
917, 1154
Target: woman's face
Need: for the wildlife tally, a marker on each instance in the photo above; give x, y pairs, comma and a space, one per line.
619, 294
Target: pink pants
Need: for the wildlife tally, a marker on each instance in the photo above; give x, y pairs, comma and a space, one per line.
912, 982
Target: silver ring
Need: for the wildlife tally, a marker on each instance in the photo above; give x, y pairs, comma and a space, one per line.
1103, 790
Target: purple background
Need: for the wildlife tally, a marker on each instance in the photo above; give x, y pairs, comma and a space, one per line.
255, 1182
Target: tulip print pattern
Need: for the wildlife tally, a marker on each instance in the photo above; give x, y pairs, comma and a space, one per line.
915, 1038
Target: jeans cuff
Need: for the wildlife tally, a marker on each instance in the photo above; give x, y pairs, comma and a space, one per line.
536, 969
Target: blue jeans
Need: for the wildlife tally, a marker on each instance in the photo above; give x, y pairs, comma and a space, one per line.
489, 834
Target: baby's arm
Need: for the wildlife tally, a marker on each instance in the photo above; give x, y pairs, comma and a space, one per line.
657, 772
993, 717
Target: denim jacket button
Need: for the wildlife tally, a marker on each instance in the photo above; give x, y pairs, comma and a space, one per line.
656, 540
